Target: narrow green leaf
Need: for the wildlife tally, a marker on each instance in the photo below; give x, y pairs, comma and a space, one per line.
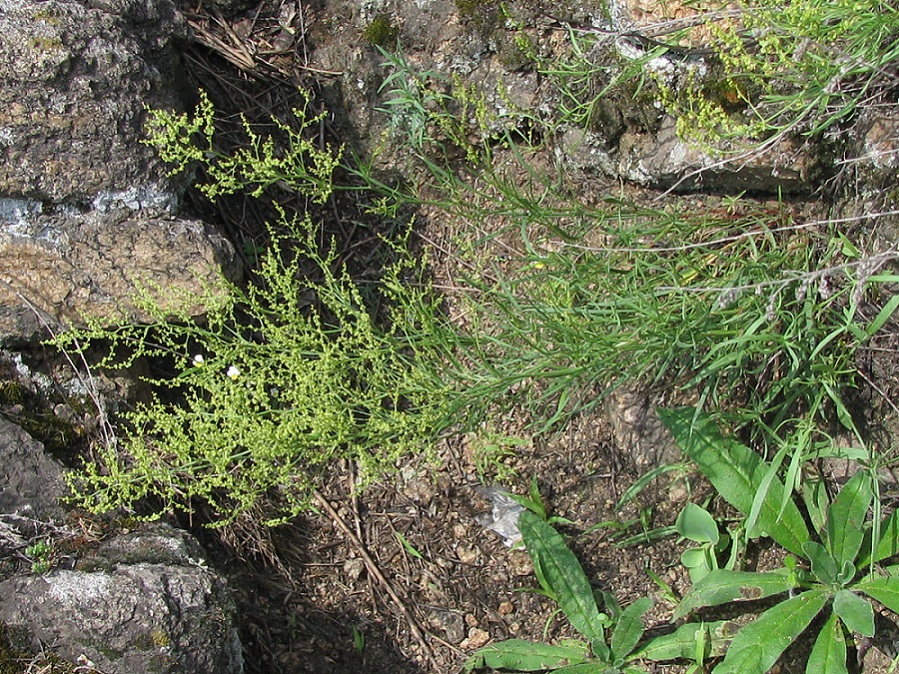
856, 613
562, 573
695, 522
763, 492
408, 546
882, 588
828, 655
525, 656
722, 586
682, 642
844, 530
757, 646
887, 546
737, 473
882, 316
629, 628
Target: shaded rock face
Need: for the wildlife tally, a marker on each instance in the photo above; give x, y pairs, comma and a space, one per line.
629, 139
31, 481
133, 618
74, 79
86, 209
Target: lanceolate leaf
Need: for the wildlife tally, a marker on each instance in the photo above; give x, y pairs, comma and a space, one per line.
629, 628
562, 573
757, 646
828, 655
682, 642
856, 613
524, 656
824, 566
737, 474
722, 586
883, 589
846, 518
587, 668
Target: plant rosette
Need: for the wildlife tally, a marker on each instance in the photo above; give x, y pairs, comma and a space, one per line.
824, 575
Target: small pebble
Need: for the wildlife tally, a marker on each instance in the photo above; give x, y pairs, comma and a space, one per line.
476, 638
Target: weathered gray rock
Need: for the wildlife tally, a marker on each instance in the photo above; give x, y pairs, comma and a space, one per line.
664, 160
74, 80
169, 614
58, 268
31, 481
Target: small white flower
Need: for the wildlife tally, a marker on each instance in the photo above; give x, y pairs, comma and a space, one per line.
199, 361
233, 372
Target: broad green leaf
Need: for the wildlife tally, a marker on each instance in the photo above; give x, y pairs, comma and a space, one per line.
856, 613
757, 646
844, 530
737, 473
882, 588
587, 668
723, 586
695, 523
525, 656
828, 655
887, 546
824, 566
562, 573
629, 628
682, 642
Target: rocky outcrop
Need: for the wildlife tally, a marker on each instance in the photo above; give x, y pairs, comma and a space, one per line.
31, 481
75, 78
158, 610
59, 268
140, 602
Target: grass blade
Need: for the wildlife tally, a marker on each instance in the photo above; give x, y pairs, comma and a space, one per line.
562, 573
737, 474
